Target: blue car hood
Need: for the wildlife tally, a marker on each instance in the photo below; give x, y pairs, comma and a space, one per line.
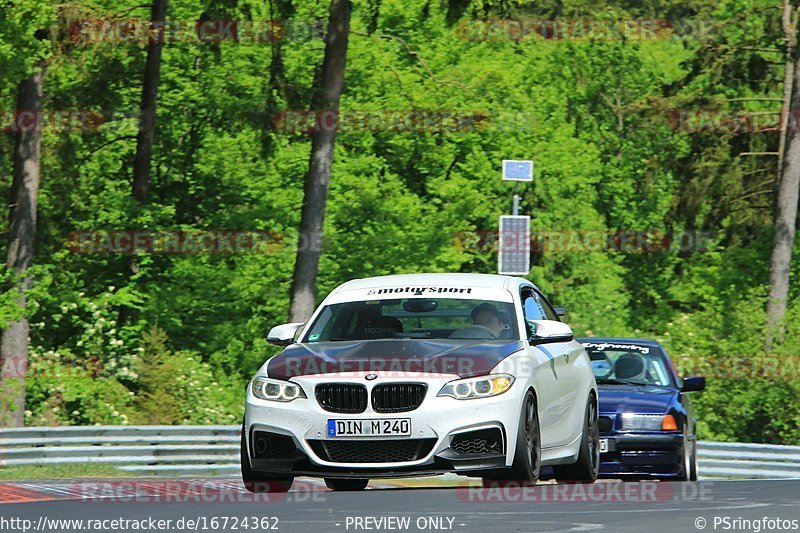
635, 399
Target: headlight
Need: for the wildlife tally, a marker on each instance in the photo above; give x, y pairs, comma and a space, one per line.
482, 387
649, 422
276, 390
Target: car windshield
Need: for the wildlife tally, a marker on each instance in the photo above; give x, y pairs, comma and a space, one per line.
414, 318
629, 365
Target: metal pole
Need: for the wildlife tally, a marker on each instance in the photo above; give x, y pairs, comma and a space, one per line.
515, 212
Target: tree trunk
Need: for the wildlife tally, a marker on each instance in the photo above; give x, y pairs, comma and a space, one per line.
785, 207
21, 239
279, 92
147, 121
327, 91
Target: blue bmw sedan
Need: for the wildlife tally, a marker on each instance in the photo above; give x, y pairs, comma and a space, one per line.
647, 426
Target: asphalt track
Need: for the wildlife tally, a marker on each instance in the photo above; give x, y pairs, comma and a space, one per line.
428, 506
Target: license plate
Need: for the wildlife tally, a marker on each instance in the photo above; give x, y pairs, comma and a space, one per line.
603, 445
369, 427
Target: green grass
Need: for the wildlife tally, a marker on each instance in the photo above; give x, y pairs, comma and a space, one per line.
84, 470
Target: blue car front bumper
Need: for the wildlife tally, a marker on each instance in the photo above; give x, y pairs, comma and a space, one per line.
645, 454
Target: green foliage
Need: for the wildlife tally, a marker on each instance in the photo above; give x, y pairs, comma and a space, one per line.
177, 388
62, 391
65, 471
763, 410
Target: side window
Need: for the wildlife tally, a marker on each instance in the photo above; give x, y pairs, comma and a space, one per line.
548, 310
532, 306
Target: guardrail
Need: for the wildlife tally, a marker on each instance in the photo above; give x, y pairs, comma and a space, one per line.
147, 450
213, 450
750, 461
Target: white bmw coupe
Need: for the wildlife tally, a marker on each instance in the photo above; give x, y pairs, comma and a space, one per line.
422, 374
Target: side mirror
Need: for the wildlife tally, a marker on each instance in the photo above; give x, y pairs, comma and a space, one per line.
549, 331
693, 384
560, 311
283, 335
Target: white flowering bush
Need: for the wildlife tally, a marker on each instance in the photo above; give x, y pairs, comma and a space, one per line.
60, 392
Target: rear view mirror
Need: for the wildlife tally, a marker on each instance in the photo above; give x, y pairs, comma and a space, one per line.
693, 384
283, 335
549, 331
420, 306
561, 312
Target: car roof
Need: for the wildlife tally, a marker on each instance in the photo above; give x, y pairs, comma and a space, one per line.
488, 281
621, 340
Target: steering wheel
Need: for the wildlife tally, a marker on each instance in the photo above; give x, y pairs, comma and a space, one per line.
473, 332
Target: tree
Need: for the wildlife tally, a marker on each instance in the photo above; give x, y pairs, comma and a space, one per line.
152, 78
327, 90
21, 239
785, 217
283, 11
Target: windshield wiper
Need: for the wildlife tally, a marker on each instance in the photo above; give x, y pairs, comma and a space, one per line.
342, 339
617, 381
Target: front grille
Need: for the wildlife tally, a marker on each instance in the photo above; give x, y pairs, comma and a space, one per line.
398, 397
265, 445
605, 424
372, 451
478, 442
342, 398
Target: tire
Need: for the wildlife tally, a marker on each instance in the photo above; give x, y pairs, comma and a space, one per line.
257, 482
346, 485
588, 464
528, 452
689, 457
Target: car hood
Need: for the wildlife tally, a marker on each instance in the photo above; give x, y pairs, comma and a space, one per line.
635, 399
464, 358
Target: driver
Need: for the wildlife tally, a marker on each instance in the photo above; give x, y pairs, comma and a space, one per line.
630, 366
486, 315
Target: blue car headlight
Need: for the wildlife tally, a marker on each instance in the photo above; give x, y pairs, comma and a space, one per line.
648, 422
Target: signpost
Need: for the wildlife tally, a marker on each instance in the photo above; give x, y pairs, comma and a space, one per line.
514, 257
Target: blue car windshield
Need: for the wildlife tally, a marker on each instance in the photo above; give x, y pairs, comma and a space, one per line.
618, 364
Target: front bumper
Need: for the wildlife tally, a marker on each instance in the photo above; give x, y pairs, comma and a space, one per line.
644, 454
434, 425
